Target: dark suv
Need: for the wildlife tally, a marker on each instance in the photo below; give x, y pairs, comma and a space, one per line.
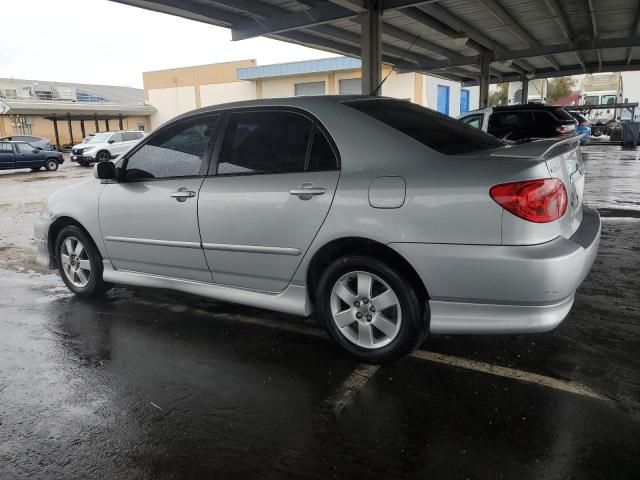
523, 122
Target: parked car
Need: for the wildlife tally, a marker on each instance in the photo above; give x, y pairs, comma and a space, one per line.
522, 122
583, 128
104, 146
38, 142
15, 155
86, 139
387, 219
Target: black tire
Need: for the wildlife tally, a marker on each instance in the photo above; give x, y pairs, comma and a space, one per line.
51, 164
96, 285
83, 164
414, 324
103, 156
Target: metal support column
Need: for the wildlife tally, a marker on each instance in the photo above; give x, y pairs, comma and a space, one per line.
82, 129
70, 130
106, 123
95, 118
120, 121
485, 63
371, 48
524, 97
55, 131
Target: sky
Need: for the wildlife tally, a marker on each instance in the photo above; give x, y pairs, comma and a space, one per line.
103, 42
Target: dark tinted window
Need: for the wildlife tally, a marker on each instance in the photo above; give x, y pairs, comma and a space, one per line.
175, 152
25, 147
474, 121
435, 130
580, 118
562, 114
265, 142
321, 156
504, 120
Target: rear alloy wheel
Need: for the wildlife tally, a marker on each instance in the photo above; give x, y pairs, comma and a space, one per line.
79, 262
51, 165
370, 309
103, 156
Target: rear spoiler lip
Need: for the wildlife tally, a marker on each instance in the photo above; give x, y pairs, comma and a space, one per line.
540, 149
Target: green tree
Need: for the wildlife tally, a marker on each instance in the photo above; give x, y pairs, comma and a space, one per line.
558, 88
500, 96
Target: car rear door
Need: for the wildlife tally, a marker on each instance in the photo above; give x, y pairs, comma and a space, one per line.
260, 209
149, 219
7, 157
505, 125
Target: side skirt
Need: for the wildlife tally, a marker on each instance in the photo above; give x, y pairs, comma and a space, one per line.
293, 300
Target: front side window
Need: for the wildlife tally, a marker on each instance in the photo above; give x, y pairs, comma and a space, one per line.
474, 121
25, 147
177, 151
265, 142
439, 132
117, 138
609, 99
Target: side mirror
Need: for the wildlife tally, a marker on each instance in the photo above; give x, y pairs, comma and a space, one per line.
111, 141
105, 171
40, 148
36, 150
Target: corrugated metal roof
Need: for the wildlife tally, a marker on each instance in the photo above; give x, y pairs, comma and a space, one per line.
540, 38
299, 68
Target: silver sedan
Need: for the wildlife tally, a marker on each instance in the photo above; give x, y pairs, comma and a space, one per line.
386, 219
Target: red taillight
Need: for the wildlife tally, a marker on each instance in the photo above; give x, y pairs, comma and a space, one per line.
561, 130
538, 201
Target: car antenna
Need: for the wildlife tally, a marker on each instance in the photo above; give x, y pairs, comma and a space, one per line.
377, 89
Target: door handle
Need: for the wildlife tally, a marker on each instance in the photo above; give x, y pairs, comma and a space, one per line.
182, 194
306, 191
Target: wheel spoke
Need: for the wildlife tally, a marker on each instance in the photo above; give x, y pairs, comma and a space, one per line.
344, 318
344, 294
64, 259
81, 275
365, 335
85, 265
385, 300
68, 245
79, 248
365, 282
384, 325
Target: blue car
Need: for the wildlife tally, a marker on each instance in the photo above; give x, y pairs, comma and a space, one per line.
583, 128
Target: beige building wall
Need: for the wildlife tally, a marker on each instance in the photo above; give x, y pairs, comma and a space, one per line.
170, 102
216, 93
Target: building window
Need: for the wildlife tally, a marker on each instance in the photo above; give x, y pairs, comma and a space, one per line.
309, 88
350, 86
464, 101
443, 99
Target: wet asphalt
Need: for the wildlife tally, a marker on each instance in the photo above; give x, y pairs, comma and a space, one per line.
150, 384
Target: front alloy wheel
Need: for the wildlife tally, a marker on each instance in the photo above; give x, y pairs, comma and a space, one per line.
79, 262
103, 156
51, 165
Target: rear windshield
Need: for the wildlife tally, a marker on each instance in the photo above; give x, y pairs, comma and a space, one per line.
579, 117
435, 130
562, 114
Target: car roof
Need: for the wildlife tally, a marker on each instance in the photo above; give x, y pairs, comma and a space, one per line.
528, 106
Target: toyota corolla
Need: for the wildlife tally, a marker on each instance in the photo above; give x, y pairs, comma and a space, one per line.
385, 219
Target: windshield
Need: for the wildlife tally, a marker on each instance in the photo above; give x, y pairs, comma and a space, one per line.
608, 99
99, 138
435, 130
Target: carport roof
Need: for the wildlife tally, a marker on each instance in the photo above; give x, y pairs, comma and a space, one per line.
539, 38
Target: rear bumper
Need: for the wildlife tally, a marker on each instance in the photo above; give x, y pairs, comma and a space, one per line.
504, 289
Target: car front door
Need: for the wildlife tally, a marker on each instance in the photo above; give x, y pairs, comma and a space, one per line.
118, 144
28, 156
260, 209
7, 157
149, 218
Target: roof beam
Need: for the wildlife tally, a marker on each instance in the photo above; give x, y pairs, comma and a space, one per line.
504, 56
561, 20
443, 15
568, 70
512, 24
635, 30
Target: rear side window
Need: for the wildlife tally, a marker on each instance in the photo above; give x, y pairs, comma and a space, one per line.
321, 156
265, 142
6, 147
175, 152
437, 131
504, 120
